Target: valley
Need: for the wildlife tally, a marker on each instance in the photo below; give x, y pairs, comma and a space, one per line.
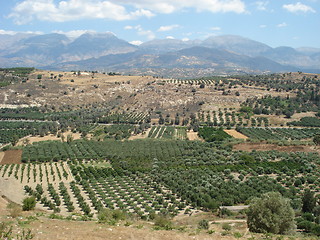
144, 156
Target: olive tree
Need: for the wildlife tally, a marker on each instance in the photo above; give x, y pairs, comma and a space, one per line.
316, 139
271, 213
28, 203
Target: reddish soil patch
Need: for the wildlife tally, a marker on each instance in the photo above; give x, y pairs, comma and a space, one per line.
268, 147
12, 157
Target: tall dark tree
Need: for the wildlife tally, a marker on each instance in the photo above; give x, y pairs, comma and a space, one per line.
308, 201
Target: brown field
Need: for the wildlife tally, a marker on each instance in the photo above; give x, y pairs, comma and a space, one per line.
12, 157
235, 134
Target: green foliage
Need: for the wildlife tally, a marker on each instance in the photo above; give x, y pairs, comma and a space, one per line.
211, 134
19, 71
28, 203
162, 223
279, 133
226, 226
246, 109
203, 224
270, 214
246, 159
125, 118
12, 131
308, 201
316, 139
6, 232
118, 132
106, 215
306, 122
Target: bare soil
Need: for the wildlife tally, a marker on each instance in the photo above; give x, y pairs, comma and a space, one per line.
12, 157
193, 136
235, 134
51, 137
268, 147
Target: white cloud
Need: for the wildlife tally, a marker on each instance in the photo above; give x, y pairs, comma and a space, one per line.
261, 6
169, 37
148, 33
262, 26
168, 28
185, 39
280, 25
215, 28
137, 42
170, 6
8, 32
71, 10
298, 7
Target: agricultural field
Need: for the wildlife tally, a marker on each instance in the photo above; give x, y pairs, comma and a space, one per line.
168, 132
229, 118
160, 154
280, 133
12, 131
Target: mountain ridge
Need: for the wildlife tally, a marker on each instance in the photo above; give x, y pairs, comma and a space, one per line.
105, 51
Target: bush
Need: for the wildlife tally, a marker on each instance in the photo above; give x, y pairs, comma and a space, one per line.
203, 224
106, 215
271, 214
226, 226
28, 203
162, 222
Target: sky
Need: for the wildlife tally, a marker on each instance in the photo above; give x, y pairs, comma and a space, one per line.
273, 22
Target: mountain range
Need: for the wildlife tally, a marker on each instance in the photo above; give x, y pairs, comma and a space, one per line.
167, 57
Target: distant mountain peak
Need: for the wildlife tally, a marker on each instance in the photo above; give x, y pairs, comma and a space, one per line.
106, 51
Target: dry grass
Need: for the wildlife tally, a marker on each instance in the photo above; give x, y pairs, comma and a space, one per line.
193, 136
14, 209
235, 134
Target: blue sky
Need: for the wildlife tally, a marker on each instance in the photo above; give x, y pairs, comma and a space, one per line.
274, 22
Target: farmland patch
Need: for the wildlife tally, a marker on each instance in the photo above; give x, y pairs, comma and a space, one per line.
12, 157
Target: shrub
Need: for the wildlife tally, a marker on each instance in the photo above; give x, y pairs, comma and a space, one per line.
270, 214
28, 203
226, 227
162, 222
203, 224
